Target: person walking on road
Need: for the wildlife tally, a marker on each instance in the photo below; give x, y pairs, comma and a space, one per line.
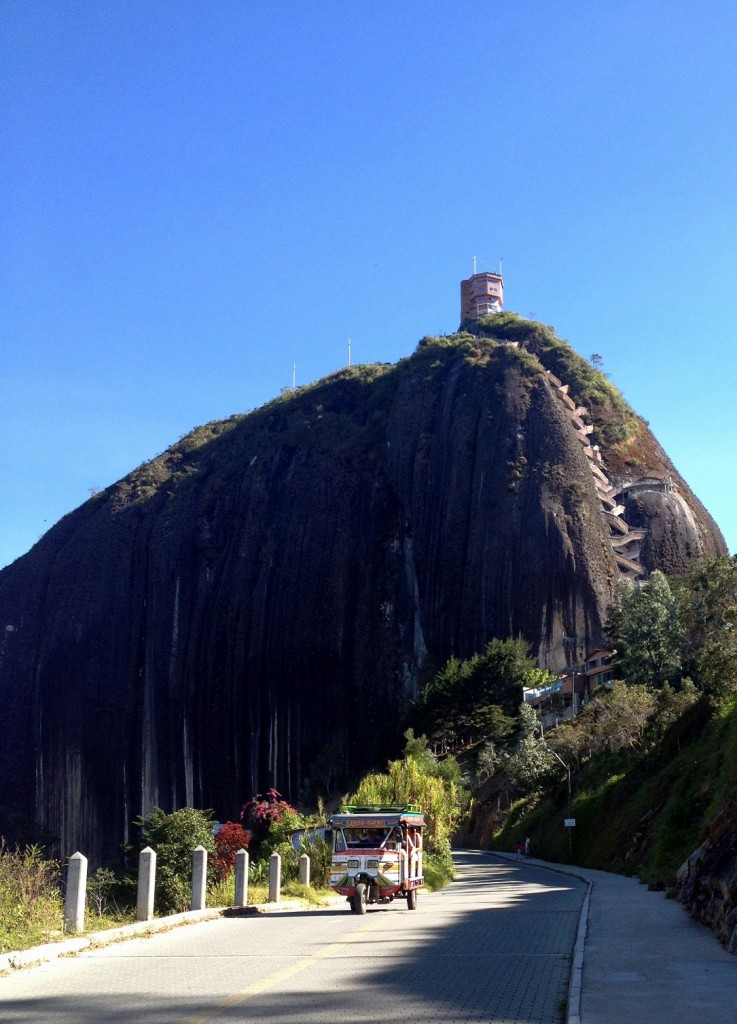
528, 846
519, 851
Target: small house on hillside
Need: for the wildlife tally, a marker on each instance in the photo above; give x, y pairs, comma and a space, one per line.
563, 699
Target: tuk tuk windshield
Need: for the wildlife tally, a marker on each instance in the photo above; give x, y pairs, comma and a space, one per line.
372, 838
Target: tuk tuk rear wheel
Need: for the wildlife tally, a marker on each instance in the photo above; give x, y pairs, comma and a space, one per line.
359, 898
412, 899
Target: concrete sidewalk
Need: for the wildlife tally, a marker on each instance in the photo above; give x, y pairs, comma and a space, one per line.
640, 959
645, 960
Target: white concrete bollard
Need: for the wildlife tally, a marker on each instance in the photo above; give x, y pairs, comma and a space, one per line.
241, 878
76, 893
274, 878
199, 878
304, 869
146, 884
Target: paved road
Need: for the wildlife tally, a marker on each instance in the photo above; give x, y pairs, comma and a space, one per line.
495, 946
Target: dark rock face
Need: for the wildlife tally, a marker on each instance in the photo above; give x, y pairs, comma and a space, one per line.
707, 882
273, 584
673, 530
655, 497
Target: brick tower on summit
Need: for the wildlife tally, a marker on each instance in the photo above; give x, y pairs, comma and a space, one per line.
481, 295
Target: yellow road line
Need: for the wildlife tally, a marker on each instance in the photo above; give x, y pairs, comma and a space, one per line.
281, 975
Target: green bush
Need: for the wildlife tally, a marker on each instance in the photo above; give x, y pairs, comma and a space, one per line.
174, 838
408, 782
320, 853
100, 892
437, 870
31, 905
221, 892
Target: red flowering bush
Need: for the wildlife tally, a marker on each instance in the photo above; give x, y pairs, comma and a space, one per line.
230, 838
263, 814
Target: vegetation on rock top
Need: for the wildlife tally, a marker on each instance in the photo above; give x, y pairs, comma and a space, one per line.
318, 409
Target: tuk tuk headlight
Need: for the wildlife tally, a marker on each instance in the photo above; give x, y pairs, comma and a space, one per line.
354, 863
372, 863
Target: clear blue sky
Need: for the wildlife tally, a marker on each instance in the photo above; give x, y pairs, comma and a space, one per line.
197, 195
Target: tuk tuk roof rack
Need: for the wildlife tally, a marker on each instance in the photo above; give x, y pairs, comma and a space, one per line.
380, 809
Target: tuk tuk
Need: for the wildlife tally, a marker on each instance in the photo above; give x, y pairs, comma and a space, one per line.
377, 854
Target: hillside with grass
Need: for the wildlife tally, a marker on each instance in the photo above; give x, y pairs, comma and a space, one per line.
648, 769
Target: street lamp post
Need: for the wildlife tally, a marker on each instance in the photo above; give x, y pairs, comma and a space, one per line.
568, 770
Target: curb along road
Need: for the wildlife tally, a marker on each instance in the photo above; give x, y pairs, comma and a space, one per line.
573, 1010
576, 982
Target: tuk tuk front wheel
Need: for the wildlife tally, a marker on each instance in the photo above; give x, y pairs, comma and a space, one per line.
359, 898
412, 899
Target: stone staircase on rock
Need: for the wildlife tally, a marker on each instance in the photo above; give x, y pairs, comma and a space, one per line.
626, 541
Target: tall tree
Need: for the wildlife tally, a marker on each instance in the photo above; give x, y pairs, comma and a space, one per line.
643, 625
481, 696
530, 761
708, 600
